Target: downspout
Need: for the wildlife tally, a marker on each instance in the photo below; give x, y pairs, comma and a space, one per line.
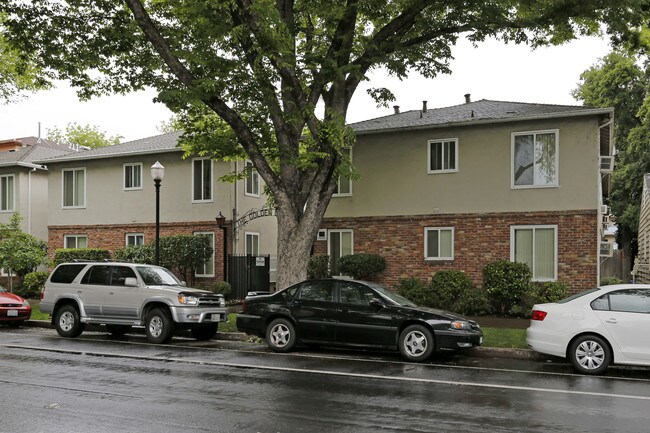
235, 211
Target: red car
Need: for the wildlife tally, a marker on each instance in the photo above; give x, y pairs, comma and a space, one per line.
13, 309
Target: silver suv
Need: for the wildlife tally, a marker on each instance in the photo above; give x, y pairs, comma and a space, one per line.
122, 295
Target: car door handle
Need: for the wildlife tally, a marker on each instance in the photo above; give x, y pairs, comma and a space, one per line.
612, 321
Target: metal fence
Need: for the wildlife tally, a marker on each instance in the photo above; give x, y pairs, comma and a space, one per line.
248, 273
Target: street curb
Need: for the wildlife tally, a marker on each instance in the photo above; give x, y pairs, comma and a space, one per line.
477, 352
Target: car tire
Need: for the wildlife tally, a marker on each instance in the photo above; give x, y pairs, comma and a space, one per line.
67, 321
416, 343
204, 332
118, 330
281, 335
159, 326
590, 354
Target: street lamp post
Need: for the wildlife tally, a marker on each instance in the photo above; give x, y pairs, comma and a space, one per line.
157, 174
221, 223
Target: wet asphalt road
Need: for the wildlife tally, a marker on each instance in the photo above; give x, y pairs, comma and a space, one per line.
100, 384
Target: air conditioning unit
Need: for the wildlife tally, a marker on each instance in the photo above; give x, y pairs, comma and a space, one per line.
604, 209
606, 249
606, 164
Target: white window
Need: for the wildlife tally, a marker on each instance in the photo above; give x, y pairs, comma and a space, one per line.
443, 156
75, 241
134, 239
252, 244
74, 188
439, 243
537, 247
133, 176
535, 159
201, 180
339, 243
7, 193
252, 180
207, 268
344, 183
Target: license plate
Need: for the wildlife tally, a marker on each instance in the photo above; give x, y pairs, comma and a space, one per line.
215, 318
12, 313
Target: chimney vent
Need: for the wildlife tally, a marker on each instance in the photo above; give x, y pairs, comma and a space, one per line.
468, 98
424, 106
396, 108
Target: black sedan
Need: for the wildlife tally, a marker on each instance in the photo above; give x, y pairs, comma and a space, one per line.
353, 313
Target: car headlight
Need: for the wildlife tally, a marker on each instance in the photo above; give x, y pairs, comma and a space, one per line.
188, 300
222, 302
25, 303
460, 325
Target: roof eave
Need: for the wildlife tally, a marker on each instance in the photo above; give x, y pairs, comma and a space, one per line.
78, 157
577, 113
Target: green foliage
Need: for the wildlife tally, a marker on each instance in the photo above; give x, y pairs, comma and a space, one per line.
33, 283
184, 253
20, 252
609, 281
506, 283
222, 287
453, 290
550, 291
86, 136
82, 254
413, 289
136, 254
361, 266
318, 267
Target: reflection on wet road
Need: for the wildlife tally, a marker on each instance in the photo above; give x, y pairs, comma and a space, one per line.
101, 384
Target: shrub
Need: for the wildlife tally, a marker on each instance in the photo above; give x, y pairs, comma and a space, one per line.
453, 290
88, 254
361, 266
35, 280
506, 283
608, 281
222, 287
551, 291
473, 302
413, 289
318, 266
136, 254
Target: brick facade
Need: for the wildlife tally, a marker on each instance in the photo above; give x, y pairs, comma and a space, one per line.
478, 240
113, 237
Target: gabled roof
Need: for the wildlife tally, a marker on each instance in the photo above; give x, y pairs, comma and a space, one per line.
479, 112
158, 144
28, 150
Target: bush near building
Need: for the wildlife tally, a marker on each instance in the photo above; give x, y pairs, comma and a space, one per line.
361, 266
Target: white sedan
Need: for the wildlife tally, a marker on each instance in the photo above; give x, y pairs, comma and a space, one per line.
596, 328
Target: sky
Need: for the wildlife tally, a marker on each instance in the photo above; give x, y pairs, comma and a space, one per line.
493, 71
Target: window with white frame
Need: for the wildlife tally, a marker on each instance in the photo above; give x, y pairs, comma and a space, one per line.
133, 176
339, 243
537, 247
252, 244
134, 239
344, 183
75, 241
439, 243
207, 268
201, 180
443, 156
7, 193
252, 180
74, 187
535, 159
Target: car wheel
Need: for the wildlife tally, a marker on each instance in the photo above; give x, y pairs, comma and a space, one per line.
204, 332
281, 335
118, 330
67, 322
590, 354
416, 343
159, 326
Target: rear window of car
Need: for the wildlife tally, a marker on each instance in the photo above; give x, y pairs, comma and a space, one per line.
65, 274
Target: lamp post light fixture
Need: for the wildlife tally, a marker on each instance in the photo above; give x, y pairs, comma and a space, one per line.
157, 174
221, 223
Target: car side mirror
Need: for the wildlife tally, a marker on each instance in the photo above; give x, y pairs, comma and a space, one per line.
374, 302
183, 283
131, 282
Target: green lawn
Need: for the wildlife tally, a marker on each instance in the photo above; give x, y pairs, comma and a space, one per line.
36, 312
504, 337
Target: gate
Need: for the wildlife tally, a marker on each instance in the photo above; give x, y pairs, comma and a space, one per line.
248, 274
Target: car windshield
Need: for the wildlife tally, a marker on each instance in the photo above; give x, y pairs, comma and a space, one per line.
392, 296
577, 295
153, 276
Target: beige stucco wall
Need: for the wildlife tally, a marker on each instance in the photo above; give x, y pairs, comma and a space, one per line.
34, 221
394, 180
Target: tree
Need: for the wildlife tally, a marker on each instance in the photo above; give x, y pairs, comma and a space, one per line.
620, 80
20, 252
86, 136
273, 79
18, 73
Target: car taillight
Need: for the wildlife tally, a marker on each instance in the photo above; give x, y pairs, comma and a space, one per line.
538, 315
42, 293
